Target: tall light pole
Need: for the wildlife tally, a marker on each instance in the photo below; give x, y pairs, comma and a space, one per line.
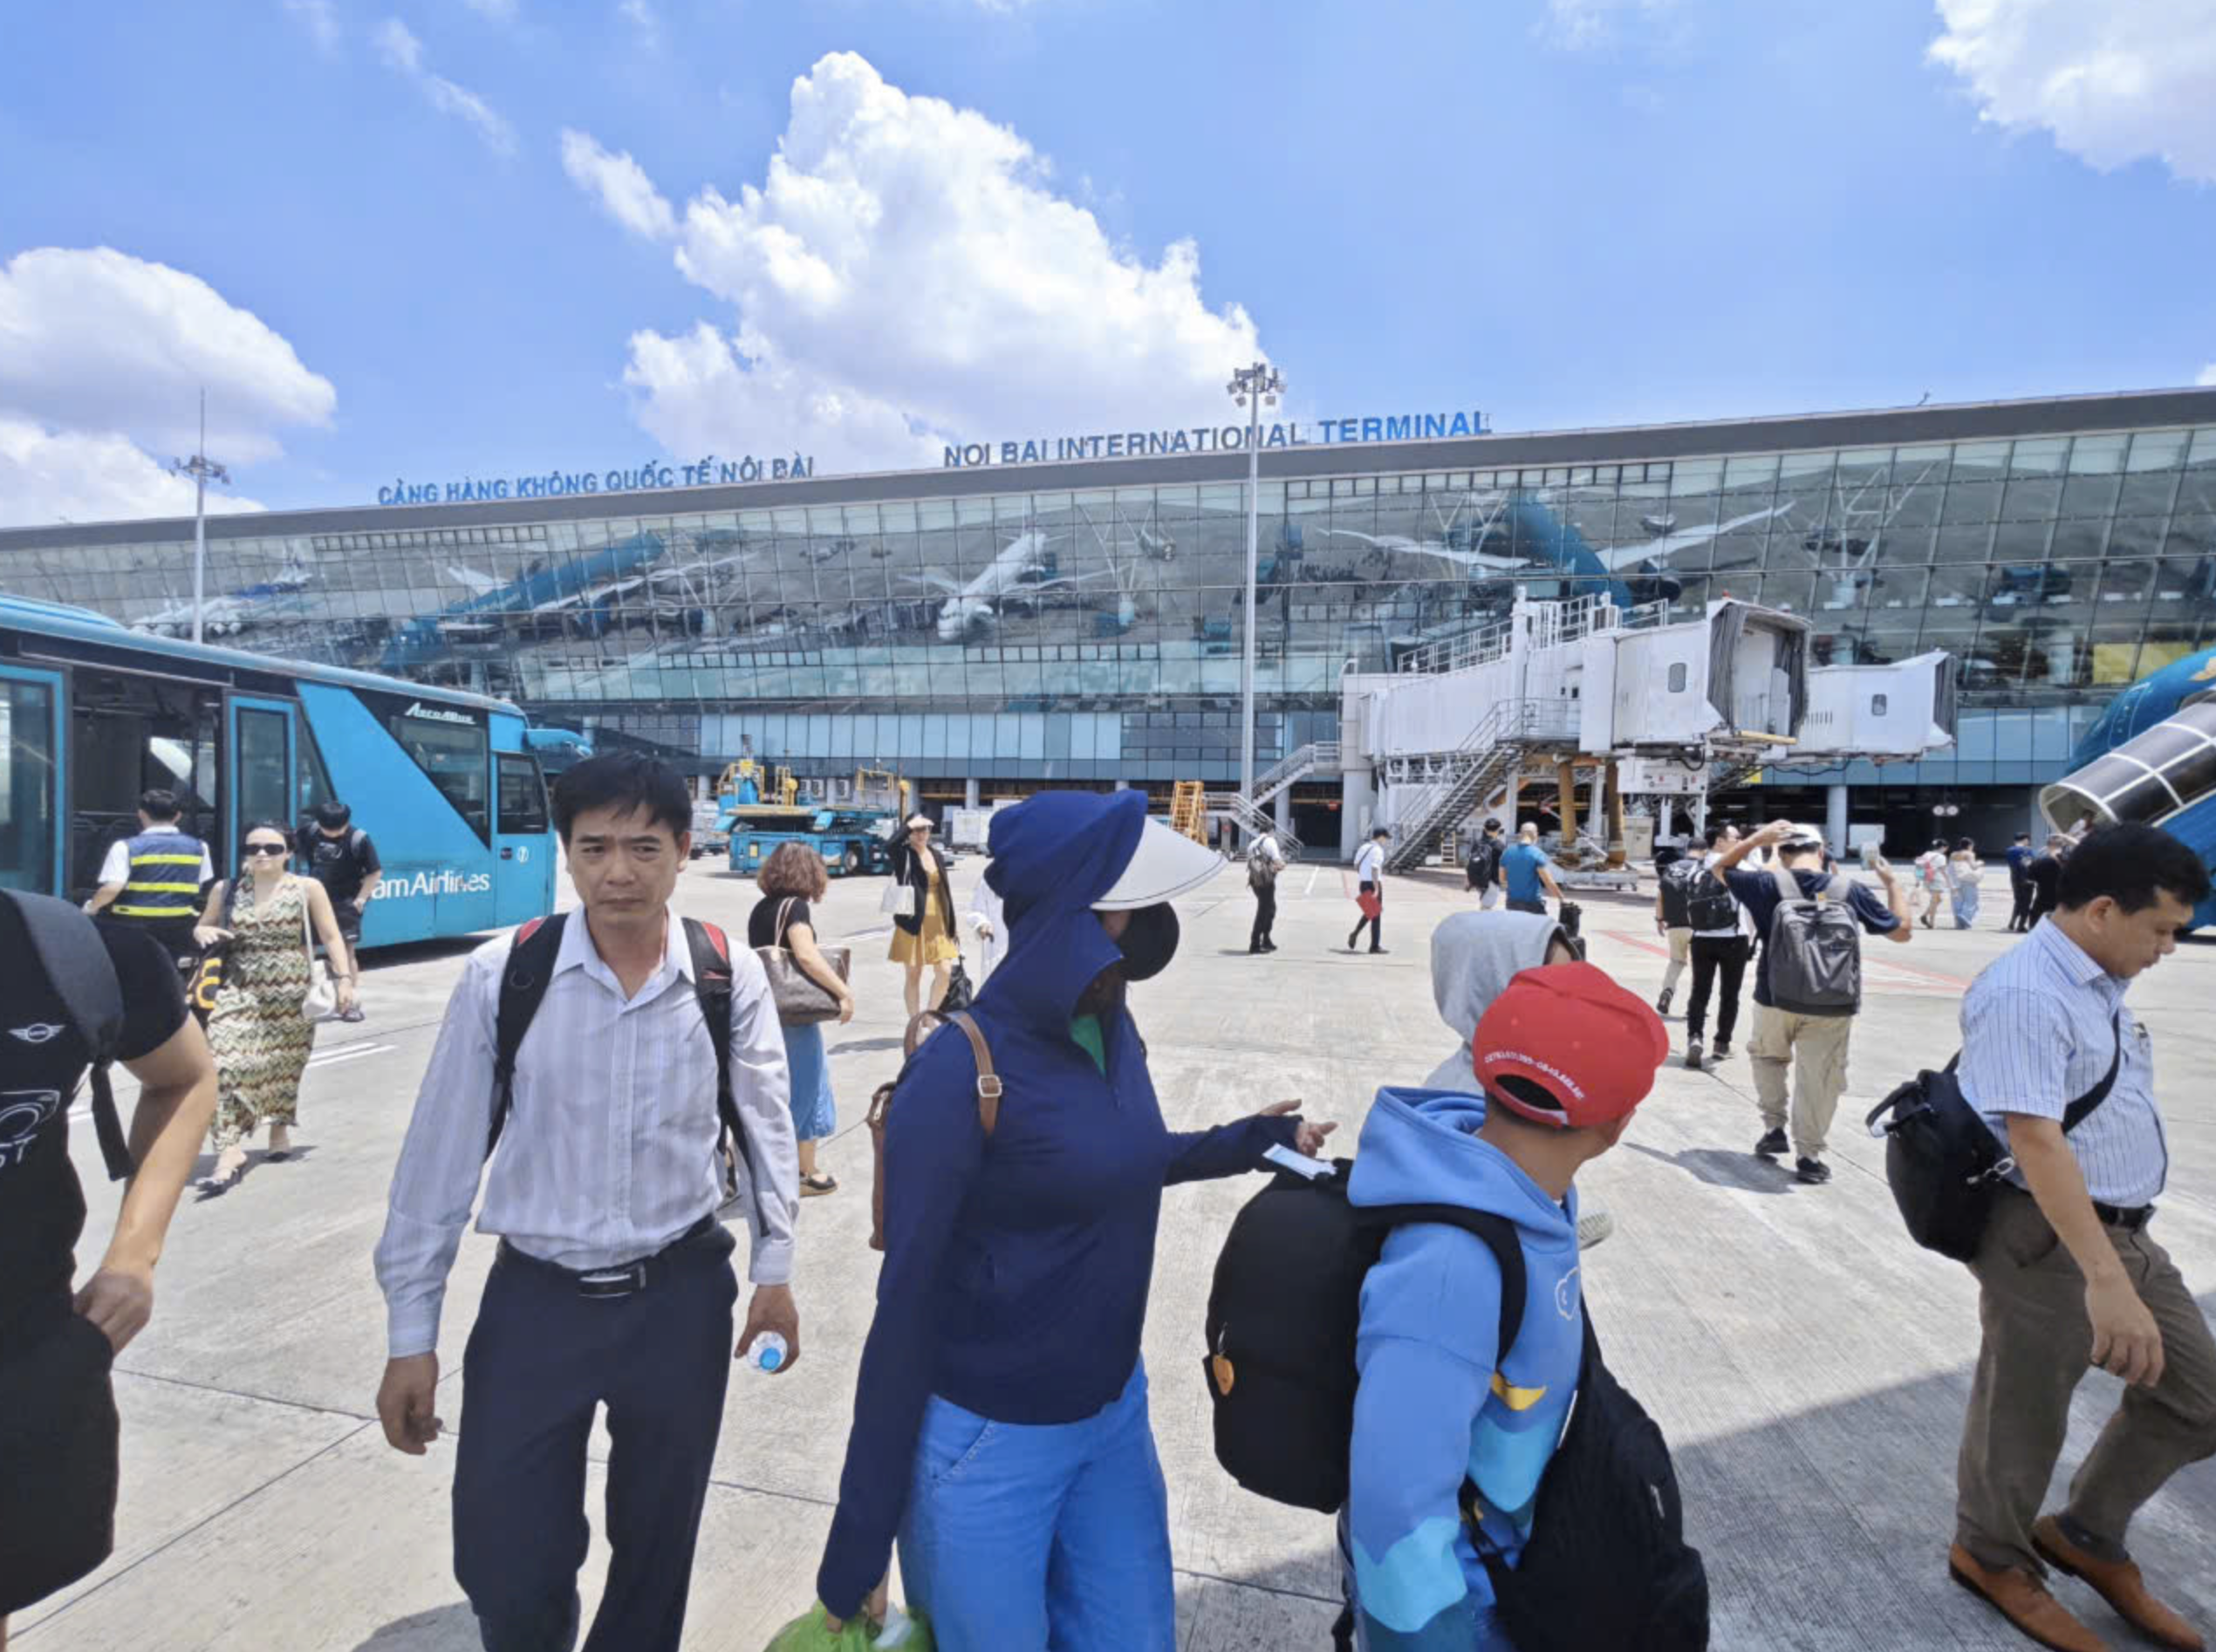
202, 470
1252, 388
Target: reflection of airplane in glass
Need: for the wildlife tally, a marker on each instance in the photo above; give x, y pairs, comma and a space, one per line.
237, 610
2151, 758
1547, 540
1456, 542
582, 593
1019, 573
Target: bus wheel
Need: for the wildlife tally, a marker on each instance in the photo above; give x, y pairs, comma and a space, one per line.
853, 859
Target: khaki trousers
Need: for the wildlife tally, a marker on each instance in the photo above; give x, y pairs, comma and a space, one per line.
2038, 1344
1815, 1047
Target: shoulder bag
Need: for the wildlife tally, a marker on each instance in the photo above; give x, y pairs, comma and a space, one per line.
1945, 1164
322, 1002
800, 998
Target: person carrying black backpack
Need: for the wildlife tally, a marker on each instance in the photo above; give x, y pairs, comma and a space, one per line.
1484, 869
1472, 1520
1812, 941
78, 994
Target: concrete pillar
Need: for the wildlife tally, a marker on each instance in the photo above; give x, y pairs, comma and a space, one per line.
1123, 785
1615, 815
1282, 808
1358, 794
969, 794
1835, 817
1566, 782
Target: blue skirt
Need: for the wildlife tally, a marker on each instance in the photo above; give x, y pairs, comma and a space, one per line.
814, 1117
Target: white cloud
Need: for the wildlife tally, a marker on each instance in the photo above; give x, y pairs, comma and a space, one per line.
48, 476
403, 53
619, 184
2208, 375
320, 18
2115, 81
645, 25
102, 360
905, 275
1580, 26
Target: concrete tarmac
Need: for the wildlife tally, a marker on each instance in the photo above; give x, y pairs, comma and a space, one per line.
1809, 1364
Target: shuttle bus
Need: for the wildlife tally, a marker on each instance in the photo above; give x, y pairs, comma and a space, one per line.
92, 714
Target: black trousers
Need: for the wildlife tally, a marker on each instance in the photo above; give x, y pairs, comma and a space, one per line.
2019, 915
1265, 915
1715, 955
1376, 925
541, 1359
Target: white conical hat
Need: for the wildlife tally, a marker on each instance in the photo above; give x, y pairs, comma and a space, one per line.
1164, 865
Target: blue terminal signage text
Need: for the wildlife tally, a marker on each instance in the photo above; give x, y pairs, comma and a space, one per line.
1204, 439
556, 484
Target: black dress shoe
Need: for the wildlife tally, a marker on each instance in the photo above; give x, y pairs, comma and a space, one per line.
1773, 1144
1814, 1171
1376, 951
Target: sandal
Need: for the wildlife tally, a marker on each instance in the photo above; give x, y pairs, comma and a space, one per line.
821, 1182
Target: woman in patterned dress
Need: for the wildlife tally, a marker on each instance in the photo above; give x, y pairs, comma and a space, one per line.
260, 1038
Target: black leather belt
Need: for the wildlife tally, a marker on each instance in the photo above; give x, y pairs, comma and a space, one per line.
2131, 1220
625, 1279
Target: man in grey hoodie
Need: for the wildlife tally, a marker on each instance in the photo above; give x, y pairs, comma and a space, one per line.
1474, 956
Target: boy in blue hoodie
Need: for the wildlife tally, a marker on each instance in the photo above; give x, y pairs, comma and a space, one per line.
1561, 1057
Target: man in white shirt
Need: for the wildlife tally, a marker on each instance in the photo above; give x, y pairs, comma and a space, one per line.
613, 1284
1368, 877
1264, 861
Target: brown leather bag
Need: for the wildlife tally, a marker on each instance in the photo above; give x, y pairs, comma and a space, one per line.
988, 1102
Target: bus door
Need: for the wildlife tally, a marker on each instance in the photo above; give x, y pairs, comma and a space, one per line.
31, 778
265, 745
523, 876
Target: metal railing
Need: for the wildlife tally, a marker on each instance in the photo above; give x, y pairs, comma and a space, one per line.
1254, 821
1317, 756
1493, 750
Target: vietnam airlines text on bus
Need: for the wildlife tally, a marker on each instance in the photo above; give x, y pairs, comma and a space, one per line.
445, 881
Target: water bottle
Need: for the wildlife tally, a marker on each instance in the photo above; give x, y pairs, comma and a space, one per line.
767, 1352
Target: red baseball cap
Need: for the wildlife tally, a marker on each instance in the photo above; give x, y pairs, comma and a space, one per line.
1571, 1032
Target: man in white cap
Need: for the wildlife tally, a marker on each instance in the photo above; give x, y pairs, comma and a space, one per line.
1813, 1045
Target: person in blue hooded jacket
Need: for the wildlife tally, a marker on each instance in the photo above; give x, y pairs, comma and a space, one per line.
1000, 1418
1560, 1058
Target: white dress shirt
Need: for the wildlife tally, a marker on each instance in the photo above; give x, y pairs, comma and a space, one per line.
608, 1152
1369, 863
2036, 1034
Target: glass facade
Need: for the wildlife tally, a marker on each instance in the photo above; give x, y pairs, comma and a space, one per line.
988, 627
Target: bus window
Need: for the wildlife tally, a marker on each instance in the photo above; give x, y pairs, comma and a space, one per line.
127, 734
264, 779
315, 779
26, 785
456, 757
522, 794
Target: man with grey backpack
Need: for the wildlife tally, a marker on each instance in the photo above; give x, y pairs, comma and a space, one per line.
1807, 981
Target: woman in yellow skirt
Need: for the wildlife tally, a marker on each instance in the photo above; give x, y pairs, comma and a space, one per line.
927, 935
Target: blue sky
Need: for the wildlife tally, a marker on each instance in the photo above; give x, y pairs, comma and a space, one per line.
354, 222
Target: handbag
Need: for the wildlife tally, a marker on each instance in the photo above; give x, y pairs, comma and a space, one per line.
322, 1002
960, 994
800, 998
1945, 1164
898, 901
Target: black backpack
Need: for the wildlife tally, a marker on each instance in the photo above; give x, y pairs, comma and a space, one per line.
1484, 862
75, 959
1607, 1564
1815, 945
1944, 1163
523, 987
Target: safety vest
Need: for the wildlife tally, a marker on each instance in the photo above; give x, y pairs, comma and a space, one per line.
165, 876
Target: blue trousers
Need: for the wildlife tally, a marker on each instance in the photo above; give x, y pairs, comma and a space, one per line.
541, 1360
1966, 906
1020, 1538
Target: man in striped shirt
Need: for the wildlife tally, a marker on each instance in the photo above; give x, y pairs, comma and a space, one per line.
2069, 1276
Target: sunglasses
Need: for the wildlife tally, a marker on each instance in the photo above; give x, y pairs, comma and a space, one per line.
265, 849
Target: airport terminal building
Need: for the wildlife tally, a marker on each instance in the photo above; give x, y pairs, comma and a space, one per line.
992, 627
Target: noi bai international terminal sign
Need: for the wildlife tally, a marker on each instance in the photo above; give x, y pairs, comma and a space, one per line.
1205, 439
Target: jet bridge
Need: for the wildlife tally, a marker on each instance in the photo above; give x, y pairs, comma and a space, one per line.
1625, 693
